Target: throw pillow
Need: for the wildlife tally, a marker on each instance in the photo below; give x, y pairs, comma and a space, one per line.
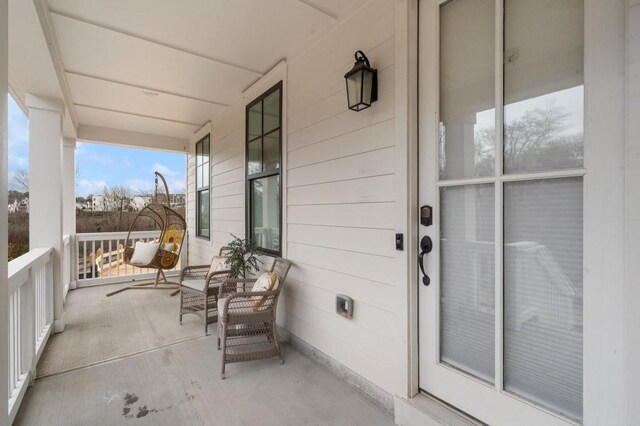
266, 282
143, 253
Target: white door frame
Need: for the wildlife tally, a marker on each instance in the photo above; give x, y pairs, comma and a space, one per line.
604, 365
406, 135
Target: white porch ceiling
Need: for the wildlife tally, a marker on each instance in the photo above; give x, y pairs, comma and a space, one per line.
165, 67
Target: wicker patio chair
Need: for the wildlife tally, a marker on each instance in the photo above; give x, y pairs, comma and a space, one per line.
247, 319
199, 293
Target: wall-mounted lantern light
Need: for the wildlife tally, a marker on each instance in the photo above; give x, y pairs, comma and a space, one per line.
362, 83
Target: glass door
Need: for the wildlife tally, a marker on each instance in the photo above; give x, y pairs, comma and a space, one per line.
501, 162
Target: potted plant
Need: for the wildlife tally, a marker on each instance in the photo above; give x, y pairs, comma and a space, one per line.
242, 257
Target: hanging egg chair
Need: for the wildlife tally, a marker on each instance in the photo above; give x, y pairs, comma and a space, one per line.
161, 252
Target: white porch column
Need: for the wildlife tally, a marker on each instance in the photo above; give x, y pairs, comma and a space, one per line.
4, 177
45, 188
69, 199
69, 186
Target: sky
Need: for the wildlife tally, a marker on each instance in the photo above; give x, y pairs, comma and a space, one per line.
100, 165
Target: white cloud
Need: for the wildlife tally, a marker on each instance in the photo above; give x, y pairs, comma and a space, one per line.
177, 186
140, 185
103, 160
87, 186
17, 161
164, 170
137, 186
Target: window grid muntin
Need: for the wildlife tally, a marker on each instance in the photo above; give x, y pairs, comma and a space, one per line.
202, 163
262, 174
498, 179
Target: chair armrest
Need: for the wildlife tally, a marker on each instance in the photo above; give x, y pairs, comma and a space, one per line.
194, 271
218, 277
231, 285
247, 300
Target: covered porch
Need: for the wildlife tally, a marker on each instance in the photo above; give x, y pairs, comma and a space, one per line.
460, 254
127, 359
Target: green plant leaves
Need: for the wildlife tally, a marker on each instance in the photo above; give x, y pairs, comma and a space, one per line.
241, 257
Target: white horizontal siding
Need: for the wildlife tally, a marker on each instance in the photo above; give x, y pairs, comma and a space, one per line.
345, 120
362, 215
359, 240
374, 189
227, 179
341, 208
360, 141
341, 201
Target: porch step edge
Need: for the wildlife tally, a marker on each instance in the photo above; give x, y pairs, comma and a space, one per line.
361, 384
425, 410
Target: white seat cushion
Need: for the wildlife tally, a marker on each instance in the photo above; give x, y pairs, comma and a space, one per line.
195, 284
143, 253
218, 263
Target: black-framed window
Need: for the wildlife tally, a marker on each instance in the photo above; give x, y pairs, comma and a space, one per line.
263, 166
202, 188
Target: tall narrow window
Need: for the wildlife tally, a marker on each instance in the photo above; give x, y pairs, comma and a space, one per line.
264, 143
202, 188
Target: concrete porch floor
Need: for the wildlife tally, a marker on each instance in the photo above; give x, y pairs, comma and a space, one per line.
126, 360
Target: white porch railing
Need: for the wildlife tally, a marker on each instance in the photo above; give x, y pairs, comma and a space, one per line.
100, 258
66, 264
30, 319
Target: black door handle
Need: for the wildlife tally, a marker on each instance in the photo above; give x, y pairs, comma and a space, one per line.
426, 245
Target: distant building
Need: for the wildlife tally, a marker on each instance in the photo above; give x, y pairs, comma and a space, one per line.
178, 200
138, 202
18, 202
19, 206
98, 203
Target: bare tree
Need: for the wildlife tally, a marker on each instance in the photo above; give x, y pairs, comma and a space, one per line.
534, 142
117, 201
21, 179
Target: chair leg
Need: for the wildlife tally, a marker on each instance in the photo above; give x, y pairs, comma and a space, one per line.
224, 348
277, 344
181, 305
206, 316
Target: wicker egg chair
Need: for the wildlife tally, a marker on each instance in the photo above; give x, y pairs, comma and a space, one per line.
171, 227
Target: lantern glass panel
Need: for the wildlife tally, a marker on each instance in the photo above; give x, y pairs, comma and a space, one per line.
354, 89
367, 84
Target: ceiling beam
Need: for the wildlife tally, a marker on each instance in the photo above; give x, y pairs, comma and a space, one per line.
48, 30
134, 114
133, 139
151, 89
318, 9
152, 41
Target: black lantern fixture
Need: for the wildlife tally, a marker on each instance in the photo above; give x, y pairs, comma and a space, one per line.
362, 83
